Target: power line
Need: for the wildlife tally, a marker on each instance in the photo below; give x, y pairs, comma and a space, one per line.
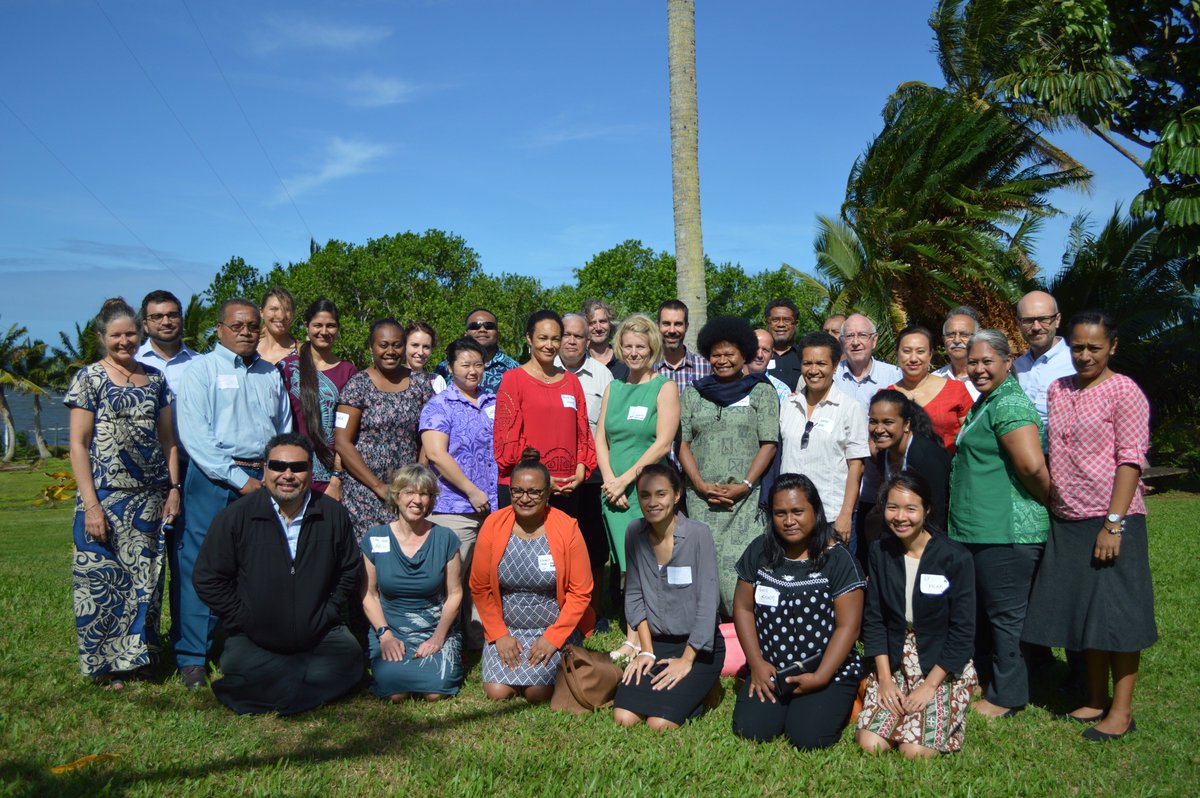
246, 117
186, 132
99, 201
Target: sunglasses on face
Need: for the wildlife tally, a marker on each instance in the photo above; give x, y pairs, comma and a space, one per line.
482, 325
282, 466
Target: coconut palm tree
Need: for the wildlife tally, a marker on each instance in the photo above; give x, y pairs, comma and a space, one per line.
37, 368
14, 345
199, 324
685, 164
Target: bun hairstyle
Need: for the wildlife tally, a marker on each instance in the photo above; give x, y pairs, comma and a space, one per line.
310, 390
531, 460
112, 309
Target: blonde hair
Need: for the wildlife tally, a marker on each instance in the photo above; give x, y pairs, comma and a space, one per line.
643, 325
412, 477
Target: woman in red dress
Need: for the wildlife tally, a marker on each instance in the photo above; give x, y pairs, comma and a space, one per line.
945, 401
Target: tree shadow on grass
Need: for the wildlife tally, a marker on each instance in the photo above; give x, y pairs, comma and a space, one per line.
390, 733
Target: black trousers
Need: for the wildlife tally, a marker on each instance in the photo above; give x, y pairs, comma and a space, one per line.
811, 720
257, 681
1003, 579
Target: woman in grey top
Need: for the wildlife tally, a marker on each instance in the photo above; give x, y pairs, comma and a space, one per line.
671, 598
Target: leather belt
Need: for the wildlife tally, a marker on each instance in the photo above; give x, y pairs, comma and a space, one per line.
248, 463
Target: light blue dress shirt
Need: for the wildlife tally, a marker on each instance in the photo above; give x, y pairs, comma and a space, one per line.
1035, 376
172, 369
228, 408
291, 529
879, 377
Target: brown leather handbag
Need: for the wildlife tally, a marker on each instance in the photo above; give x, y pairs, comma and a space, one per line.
586, 681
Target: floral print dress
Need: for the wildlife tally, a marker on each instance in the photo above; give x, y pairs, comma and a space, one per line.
117, 583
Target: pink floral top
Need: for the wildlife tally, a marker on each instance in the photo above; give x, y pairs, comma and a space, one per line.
1092, 432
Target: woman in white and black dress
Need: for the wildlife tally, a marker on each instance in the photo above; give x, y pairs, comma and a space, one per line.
798, 601
671, 598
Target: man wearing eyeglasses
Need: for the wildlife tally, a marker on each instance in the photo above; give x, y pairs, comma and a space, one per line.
162, 325
960, 324
278, 568
1048, 356
482, 326
230, 403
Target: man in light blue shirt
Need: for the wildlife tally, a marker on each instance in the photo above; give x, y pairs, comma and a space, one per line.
163, 349
1048, 357
230, 403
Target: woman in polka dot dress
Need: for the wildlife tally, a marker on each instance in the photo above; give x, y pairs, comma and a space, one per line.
798, 602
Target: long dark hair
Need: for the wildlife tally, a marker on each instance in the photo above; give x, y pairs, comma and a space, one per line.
310, 387
919, 422
822, 533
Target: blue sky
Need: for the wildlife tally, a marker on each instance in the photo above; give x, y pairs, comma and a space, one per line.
147, 142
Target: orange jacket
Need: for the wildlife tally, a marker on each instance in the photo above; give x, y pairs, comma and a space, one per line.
573, 573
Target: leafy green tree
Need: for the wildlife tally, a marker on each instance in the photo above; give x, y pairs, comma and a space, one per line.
631, 277
236, 278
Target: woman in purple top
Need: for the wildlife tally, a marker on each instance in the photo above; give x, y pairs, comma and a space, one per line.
314, 378
456, 436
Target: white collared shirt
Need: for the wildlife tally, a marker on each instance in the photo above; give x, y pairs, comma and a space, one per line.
172, 369
947, 371
291, 529
594, 376
1035, 376
838, 435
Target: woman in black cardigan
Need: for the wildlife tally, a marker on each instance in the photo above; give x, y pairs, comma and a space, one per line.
919, 626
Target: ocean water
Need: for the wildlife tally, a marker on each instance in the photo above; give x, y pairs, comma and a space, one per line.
55, 417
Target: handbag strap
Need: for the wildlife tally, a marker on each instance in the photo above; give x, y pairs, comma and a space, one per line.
569, 659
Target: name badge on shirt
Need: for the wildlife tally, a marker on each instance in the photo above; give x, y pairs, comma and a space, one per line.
743, 402
823, 423
934, 584
227, 382
340, 420
568, 400
381, 545
766, 596
637, 413
490, 412
546, 563
679, 574
771, 363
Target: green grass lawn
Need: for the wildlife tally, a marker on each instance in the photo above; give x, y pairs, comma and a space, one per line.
164, 739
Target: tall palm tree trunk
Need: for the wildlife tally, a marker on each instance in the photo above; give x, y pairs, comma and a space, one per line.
685, 165
43, 449
10, 429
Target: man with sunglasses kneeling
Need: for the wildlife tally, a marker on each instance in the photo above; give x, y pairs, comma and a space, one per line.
278, 568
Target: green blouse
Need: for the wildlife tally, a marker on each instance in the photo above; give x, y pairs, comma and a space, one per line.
988, 503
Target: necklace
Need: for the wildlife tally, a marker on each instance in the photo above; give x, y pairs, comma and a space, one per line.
137, 369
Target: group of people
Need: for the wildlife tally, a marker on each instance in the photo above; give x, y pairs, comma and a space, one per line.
956, 521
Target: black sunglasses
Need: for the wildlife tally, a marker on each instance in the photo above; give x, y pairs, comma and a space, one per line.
295, 466
804, 438
482, 325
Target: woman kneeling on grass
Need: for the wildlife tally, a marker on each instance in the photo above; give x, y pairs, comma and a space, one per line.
412, 594
671, 598
797, 608
919, 625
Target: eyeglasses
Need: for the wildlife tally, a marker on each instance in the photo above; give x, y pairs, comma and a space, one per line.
533, 493
857, 336
1045, 321
174, 315
282, 466
241, 326
481, 325
804, 438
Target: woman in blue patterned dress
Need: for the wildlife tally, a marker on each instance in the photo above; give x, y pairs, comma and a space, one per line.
413, 592
126, 468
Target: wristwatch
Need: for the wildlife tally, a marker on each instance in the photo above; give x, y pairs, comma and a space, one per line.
749, 485
379, 630
1117, 520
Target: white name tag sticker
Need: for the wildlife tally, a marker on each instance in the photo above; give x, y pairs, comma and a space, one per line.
934, 584
227, 382
340, 420
637, 413
823, 423
381, 545
743, 402
766, 596
490, 412
771, 363
679, 574
568, 400
546, 563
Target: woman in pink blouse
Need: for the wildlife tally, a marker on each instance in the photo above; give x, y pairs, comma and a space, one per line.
540, 405
1093, 590
945, 401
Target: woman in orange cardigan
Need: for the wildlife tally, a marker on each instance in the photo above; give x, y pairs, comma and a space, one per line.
532, 584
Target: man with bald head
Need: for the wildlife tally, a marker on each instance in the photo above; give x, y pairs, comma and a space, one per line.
762, 361
1048, 356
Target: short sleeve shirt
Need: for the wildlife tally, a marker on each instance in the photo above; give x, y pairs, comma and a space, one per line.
468, 427
838, 435
793, 605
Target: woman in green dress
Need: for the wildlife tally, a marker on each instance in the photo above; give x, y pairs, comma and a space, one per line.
638, 420
730, 430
